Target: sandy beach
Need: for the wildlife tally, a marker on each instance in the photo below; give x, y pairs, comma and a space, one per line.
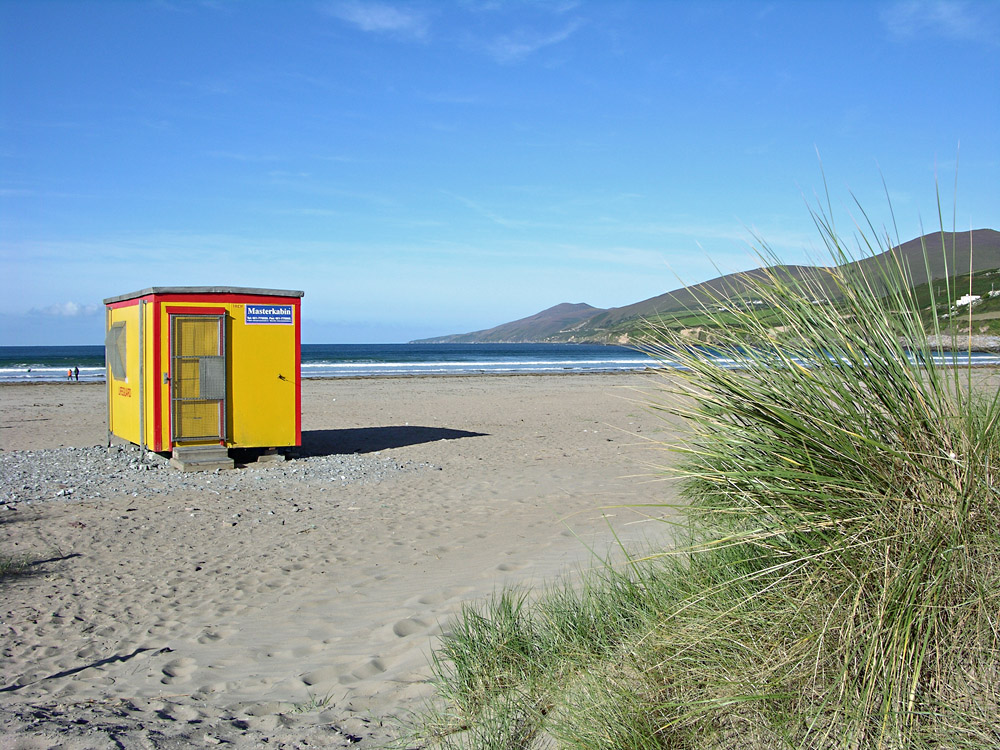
295, 604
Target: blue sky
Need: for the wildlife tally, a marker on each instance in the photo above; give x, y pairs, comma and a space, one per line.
424, 168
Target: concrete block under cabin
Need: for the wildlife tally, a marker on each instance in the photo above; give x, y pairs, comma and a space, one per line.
196, 371
201, 458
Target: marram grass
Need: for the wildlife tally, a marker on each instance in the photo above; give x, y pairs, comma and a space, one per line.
841, 584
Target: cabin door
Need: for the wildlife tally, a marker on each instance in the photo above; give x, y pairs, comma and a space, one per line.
197, 378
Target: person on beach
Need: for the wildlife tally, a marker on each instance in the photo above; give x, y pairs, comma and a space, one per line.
76, 373
69, 374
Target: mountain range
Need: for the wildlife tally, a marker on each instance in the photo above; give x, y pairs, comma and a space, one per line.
975, 251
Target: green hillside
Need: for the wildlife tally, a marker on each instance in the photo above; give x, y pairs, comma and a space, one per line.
686, 309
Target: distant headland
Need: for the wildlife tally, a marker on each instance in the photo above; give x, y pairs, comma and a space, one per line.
971, 257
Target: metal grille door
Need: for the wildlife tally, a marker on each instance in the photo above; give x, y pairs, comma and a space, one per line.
197, 378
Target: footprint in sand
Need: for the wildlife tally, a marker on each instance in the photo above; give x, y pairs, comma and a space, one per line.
321, 676
211, 688
211, 636
370, 669
435, 598
308, 650
508, 567
89, 652
180, 713
178, 670
409, 626
162, 625
340, 671
229, 610
268, 585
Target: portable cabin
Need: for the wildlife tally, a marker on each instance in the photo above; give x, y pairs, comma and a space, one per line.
196, 367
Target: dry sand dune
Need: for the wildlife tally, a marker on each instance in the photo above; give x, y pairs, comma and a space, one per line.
179, 610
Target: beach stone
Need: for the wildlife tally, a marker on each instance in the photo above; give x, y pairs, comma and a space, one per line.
97, 472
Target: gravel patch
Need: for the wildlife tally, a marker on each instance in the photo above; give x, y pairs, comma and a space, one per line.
97, 471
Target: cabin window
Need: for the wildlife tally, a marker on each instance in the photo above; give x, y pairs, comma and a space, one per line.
114, 351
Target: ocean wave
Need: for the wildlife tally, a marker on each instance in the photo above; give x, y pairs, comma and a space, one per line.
332, 367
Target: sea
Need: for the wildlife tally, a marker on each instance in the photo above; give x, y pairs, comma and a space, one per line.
27, 364
50, 363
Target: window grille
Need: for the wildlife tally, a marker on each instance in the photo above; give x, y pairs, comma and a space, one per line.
114, 351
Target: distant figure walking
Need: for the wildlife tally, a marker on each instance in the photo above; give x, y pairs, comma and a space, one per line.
76, 373
69, 374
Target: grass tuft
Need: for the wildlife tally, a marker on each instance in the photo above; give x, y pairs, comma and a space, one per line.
11, 565
313, 704
840, 582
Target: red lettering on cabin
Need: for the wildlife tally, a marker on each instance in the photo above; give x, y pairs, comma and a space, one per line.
123, 391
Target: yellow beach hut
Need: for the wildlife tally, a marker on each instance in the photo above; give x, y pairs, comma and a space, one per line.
198, 370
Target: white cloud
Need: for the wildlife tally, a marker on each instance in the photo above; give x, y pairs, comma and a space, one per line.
449, 98
284, 174
522, 43
67, 310
237, 156
952, 19
483, 210
381, 18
